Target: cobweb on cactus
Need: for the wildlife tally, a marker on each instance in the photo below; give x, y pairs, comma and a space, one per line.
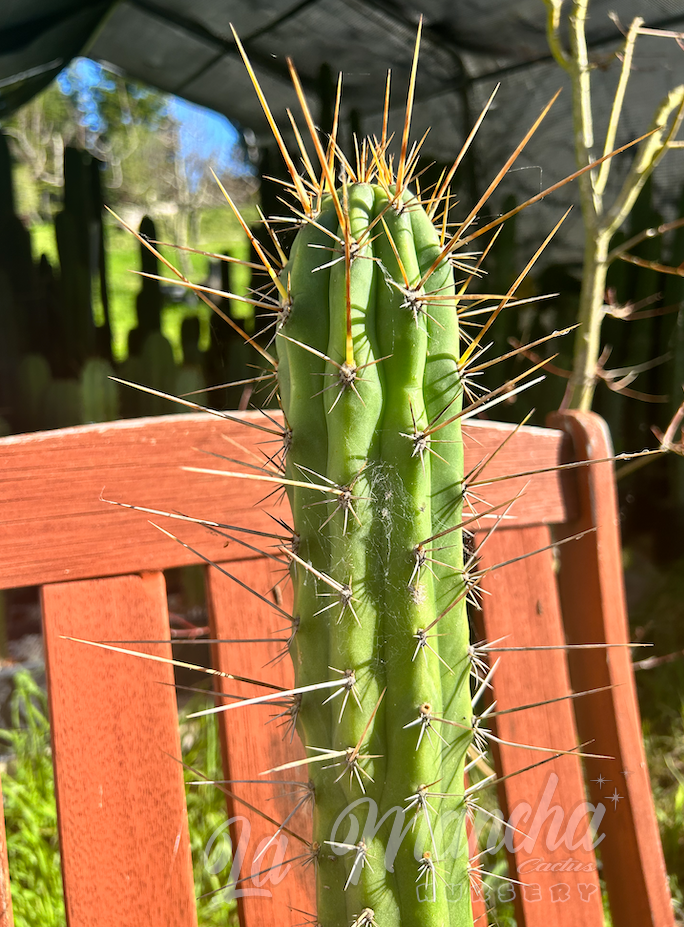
365, 348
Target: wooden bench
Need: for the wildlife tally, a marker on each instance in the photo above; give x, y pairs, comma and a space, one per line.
120, 792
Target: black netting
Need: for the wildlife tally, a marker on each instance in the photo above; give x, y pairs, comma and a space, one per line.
468, 47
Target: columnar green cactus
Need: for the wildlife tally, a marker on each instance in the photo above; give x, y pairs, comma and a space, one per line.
370, 385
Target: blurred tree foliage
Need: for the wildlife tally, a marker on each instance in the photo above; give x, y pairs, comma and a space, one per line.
125, 125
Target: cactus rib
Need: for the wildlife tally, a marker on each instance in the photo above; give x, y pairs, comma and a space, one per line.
367, 364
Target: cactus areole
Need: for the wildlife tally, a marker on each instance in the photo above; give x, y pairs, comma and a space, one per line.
368, 370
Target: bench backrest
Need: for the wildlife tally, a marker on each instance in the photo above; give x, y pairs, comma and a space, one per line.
120, 792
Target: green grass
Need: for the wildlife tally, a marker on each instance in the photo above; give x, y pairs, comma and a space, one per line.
30, 813
657, 616
665, 753
31, 817
219, 231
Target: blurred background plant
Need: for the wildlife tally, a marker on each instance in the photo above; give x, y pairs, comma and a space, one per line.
30, 812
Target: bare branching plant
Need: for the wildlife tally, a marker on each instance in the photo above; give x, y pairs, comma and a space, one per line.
602, 218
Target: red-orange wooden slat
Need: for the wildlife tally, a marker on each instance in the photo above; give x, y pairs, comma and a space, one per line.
593, 599
55, 526
252, 745
553, 856
6, 917
120, 794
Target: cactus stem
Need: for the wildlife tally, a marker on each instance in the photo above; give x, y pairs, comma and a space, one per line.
427, 869
347, 375
344, 597
422, 637
425, 719
365, 919
419, 800
360, 851
398, 501
349, 687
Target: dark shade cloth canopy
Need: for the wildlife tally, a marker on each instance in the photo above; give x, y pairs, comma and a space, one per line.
468, 47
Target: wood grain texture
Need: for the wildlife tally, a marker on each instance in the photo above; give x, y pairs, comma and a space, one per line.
120, 794
252, 745
6, 916
552, 856
54, 525
593, 599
